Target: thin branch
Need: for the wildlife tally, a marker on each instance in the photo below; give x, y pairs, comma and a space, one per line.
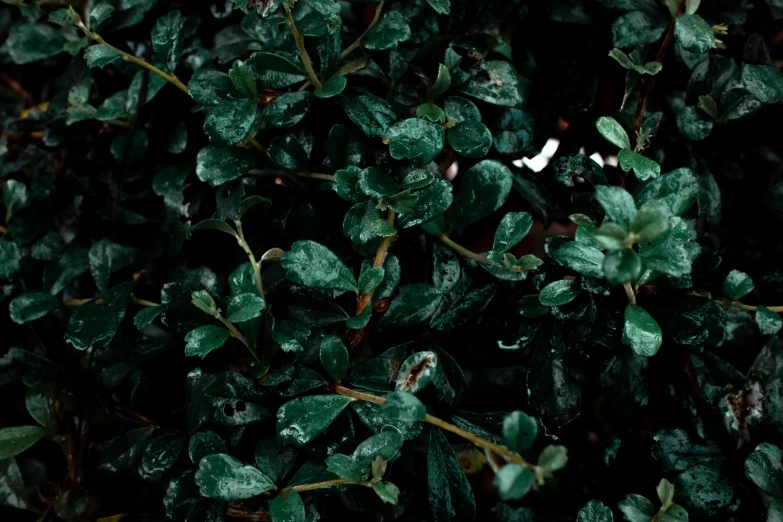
256, 264
464, 252
475, 439
272, 172
629, 293
301, 46
236, 333
319, 485
380, 256
650, 83
749, 308
142, 302
171, 78
252, 141
351, 48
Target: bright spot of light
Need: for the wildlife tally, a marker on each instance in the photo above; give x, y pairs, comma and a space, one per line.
597, 158
540, 161
611, 161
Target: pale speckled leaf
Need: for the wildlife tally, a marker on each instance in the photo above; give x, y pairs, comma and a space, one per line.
31, 306
417, 372
595, 511
203, 443
205, 339
15, 439
301, 420
160, 455
12, 489
313, 265
225, 477
414, 304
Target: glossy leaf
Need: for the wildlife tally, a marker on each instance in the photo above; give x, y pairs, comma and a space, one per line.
414, 304
334, 357
641, 331
225, 477
301, 420
311, 264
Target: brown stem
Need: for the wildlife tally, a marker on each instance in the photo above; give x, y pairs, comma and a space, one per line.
317, 485
364, 300
650, 83
629, 293
351, 48
749, 308
475, 439
461, 250
301, 46
236, 333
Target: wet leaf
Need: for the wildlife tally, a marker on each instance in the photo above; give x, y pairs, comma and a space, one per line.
301, 420
225, 477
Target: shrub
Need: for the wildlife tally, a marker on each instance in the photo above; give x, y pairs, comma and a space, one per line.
279, 260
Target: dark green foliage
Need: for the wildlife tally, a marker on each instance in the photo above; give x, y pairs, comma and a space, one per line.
426, 260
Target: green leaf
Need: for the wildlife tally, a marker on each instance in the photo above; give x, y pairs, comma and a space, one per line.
370, 279
387, 491
225, 477
471, 139
552, 459
641, 332
483, 189
737, 285
9, 259
769, 322
403, 407
636, 508
581, 258
332, 87
644, 168
94, 324
559, 293
203, 443
613, 132
287, 507
167, 36
461, 109
345, 183
676, 191
595, 511
443, 81
276, 70
694, 124
416, 372
40, 407
414, 304
230, 122
211, 87
665, 492
106, 258
513, 481
204, 339
391, 30
764, 82
433, 201
16, 439
101, 55
160, 455
450, 494
621, 266
345, 467
244, 307
370, 113
511, 231
617, 203
651, 221
638, 27
440, 6
291, 335
375, 182
243, 78
430, 112
99, 13
202, 300
287, 110
302, 420
693, 33
334, 357
519, 431
31, 306
496, 82
216, 165
63, 17
313, 265
29, 42
764, 467
215, 224
14, 197
414, 139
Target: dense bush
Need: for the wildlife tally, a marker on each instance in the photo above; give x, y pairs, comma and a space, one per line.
280, 260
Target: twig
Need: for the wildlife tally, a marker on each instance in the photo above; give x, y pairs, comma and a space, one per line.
236, 333
749, 308
464, 252
256, 264
319, 485
650, 83
301, 46
251, 140
380, 256
475, 439
171, 78
351, 48
142, 302
311, 175
629, 293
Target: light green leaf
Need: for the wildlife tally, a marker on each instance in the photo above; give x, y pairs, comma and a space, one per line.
519, 431
387, 491
225, 477
613, 132
204, 339
552, 459
313, 265
302, 420
202, 300
737, 285
636, 508
414, 304
512, 230
513, 481
403, 407
370, 279
617, 203
101, 55
167, 37
287, 507
768, 321
334, 86
693, 33
415, 139
581, 258
482, 190
651, 221
440, 6
641, 331
622, 266
244, 307
643, 168
443, 81
559, 293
